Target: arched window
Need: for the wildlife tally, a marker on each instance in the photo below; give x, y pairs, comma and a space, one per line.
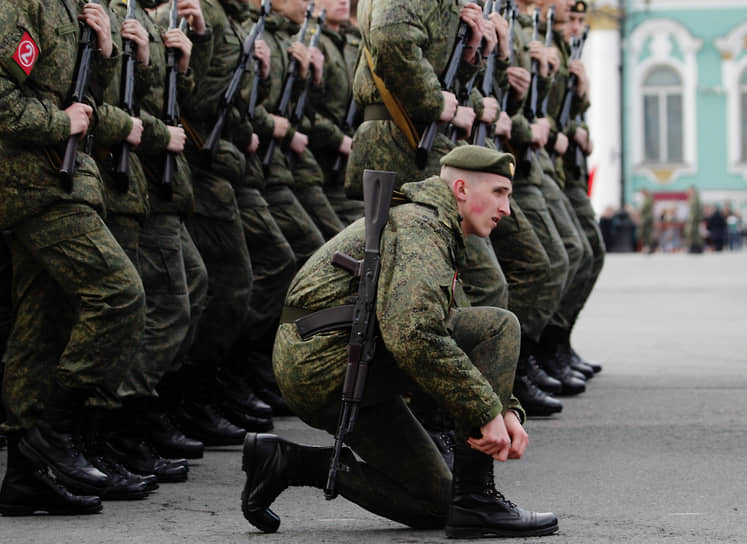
662, 116
743, 109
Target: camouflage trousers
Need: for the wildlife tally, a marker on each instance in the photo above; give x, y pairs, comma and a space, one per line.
80, 310
528, 270
588, 222
295, 223
533, 205
347, 209
307, 186
404, 478
483, 279
576, 247
220, 240
274, 265
175, 280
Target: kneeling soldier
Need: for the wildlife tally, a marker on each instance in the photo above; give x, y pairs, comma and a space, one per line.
464, 357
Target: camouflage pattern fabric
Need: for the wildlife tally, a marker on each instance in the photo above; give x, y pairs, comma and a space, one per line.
694, 219
171, 307
80, 310
646, 231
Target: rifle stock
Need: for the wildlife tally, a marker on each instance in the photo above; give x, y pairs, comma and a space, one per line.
127, 103
377, 194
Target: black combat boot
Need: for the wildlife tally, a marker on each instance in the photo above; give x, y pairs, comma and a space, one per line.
596, 367
137, 455
236, 394
204, 422
560, 369
27, 489
477, 510
527, 365
273, 464
55, 443
535, 401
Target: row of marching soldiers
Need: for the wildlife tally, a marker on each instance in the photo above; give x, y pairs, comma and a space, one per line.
149, 278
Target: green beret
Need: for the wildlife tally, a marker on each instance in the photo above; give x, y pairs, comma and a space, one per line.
482, 159
579, 7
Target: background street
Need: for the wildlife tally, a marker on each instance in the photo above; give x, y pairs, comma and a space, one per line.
653, 452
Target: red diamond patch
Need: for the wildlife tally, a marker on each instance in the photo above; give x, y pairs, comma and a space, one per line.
26, 53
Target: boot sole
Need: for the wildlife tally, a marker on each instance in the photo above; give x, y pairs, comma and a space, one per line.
484, 532
41, 461
11, 510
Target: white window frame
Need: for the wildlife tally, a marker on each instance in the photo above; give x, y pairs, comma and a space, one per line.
661, 93
661, 33
732, 69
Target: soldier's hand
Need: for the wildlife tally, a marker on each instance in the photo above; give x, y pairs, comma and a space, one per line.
517, 434
464, 119
501, 29
519, 78
253, 144
262, 52
450, 106
301, 53
491, 38
490, 110
80, 116
177, 39
472, 15
539, 53
317, 62
540, 132
136, 133
503, 125
298, 143
577, 67
191, 10
561, 144
96, 17
177, 139
581, 137
553, 60
133, 30
495, 440
280, 128
345, 146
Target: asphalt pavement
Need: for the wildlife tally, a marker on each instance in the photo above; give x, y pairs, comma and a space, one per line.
654, 451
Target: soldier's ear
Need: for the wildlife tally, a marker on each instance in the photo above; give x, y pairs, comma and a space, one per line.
459, 187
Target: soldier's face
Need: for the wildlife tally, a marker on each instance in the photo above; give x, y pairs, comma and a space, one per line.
562, 9
483, 202
338, 11
576, 23
295, 10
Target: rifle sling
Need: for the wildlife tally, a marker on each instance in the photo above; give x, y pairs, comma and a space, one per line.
308, 322
395, 108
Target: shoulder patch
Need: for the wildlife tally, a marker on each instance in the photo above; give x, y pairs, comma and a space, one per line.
26, 53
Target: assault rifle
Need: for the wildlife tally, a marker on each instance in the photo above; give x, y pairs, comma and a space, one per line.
210, 146
127, 103
449, 80
171, 116
530, 106
510, 14
377, 195
290, 80
347, 128
548, 43
564, 118
480, 130
297, 115
87, 46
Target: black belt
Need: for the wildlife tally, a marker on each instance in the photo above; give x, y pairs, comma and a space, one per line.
308, 323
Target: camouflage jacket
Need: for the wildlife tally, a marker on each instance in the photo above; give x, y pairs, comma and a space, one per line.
112, 129
410, 45
38, 52
150, 86
422, 247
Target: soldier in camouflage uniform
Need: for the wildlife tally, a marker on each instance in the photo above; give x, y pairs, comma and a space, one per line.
79, 301
302, 181
327, 140
646, 230
430, 336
